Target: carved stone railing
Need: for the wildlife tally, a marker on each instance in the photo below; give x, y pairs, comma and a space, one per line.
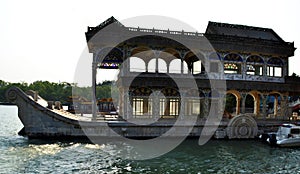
158, 31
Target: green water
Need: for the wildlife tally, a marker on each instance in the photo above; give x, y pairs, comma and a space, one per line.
20, 155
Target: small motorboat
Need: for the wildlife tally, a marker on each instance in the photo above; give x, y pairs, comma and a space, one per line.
288, 135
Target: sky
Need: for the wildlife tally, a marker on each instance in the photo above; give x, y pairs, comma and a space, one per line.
44, 40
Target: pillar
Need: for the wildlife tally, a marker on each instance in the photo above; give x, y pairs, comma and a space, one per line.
284, 108
156, 105
221, 106
265, 70
146, 64
128, 106
127, 63
156, 54
275, 106
256, 104
206, 103
121, 102
182, 63
243, 99
181, 67
183, 107
238, 106
264, 106
244, 68
94, 99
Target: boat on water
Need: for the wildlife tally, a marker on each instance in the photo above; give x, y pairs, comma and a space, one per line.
173, 83
288, 135
43, 119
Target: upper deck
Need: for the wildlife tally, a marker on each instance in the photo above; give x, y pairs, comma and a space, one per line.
224, 51
227, 59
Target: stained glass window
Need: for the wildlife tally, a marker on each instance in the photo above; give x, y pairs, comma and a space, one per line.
232, 68
110, 65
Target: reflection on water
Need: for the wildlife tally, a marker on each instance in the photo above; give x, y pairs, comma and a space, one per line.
20, 155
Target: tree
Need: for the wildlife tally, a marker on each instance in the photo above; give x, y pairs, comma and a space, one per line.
58, 91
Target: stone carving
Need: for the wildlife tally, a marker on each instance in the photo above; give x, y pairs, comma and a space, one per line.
11, 94
241, 127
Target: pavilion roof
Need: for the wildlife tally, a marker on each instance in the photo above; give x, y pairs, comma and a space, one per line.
218, 28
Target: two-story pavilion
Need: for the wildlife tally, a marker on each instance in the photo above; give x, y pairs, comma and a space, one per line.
251, 61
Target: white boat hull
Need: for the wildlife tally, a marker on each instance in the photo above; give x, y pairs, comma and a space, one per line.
290, 142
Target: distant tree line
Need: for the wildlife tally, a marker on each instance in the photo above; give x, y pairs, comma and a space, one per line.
51, 91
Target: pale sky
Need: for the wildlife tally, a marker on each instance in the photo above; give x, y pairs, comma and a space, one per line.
43, 40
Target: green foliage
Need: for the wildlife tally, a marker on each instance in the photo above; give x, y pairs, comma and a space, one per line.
58, 91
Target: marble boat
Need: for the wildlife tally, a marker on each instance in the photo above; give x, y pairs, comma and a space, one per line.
43, 121
176, 82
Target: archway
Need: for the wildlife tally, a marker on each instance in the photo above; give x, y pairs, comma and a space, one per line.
195, 62
233, 64
157, 65
255, 65
249, 104
175, 67
193, 101
137, 64
233, 103
253, 103
169, 105
274, 67
141, 102
273, 104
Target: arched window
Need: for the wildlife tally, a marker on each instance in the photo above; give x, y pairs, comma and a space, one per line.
109, 58
274, 67
193, 102
162, 66
232, 64
137, 64
169, 105
231, 68
175, 66
142, 103
197, 67
255, 65
152, 65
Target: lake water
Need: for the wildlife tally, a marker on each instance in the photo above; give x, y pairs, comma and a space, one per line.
20, 155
